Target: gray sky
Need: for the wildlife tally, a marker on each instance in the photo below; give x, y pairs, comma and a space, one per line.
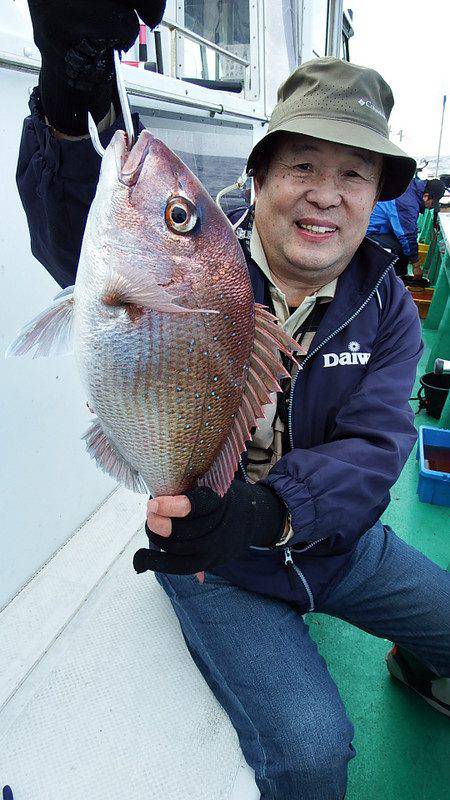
408, 42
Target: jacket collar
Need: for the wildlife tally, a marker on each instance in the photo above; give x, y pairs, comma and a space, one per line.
357, 282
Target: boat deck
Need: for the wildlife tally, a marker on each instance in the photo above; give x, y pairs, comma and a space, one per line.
98, 694
99, 698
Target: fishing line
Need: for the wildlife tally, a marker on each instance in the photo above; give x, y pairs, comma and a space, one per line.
239, 184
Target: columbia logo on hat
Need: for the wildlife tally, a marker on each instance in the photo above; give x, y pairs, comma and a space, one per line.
369, 104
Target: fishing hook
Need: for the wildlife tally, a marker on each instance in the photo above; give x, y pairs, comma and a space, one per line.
124, 107
123, 98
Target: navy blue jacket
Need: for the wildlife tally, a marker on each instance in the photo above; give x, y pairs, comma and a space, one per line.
350, 424
399, 218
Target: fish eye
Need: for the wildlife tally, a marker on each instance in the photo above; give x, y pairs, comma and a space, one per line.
181, 215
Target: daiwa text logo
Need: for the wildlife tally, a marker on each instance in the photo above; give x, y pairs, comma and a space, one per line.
368, 104
350, 358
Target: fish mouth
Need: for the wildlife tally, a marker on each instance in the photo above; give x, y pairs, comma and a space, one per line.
130, 162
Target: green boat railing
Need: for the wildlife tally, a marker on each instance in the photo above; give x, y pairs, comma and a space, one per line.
425, 226
438, 317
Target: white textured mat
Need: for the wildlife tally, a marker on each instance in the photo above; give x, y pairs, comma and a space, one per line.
106, 702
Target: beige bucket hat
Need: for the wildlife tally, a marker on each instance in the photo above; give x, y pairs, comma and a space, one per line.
340, 102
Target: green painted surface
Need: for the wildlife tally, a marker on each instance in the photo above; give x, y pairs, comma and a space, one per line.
403, 745
433, 259
426, 227
441, 297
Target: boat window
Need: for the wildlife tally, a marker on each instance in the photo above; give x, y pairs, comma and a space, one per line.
215, 150
219, 53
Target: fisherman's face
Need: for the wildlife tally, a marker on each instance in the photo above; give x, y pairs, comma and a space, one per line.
313, 206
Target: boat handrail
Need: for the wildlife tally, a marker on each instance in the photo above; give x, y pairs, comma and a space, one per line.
176, 29
191, 102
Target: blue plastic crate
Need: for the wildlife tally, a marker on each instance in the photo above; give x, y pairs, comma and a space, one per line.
433, 486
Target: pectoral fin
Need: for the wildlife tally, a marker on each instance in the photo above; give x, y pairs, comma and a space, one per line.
134, 287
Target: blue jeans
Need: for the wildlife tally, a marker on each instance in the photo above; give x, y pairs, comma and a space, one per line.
256, 654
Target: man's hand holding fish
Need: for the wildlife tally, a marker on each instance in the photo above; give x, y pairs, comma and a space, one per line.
200, 530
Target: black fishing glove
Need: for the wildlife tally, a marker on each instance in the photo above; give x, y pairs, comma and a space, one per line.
216, 530
76, 39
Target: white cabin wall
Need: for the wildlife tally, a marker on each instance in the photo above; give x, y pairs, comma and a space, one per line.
48, 484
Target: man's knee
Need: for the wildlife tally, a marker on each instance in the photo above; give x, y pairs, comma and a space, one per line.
312, 762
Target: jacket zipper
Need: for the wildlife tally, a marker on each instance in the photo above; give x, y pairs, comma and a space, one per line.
308, 546
243, 470
316, 350
328, 339
293, 571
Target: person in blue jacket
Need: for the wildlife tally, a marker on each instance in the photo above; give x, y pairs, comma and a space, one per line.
299, 528
393, 223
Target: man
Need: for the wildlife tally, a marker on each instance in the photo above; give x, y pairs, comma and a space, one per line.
393, 223
307, 535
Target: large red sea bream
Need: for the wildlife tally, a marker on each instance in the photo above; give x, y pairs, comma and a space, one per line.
176, 359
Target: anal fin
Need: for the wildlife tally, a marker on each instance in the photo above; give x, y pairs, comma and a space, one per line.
110, 460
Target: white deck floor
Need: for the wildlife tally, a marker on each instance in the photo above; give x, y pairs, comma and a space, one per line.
98, 695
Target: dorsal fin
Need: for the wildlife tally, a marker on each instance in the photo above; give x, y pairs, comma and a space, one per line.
49, 333
265, 368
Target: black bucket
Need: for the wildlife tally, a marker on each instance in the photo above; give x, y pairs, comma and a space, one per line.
433, 393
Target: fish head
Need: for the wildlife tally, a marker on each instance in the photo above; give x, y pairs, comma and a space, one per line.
162, 211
